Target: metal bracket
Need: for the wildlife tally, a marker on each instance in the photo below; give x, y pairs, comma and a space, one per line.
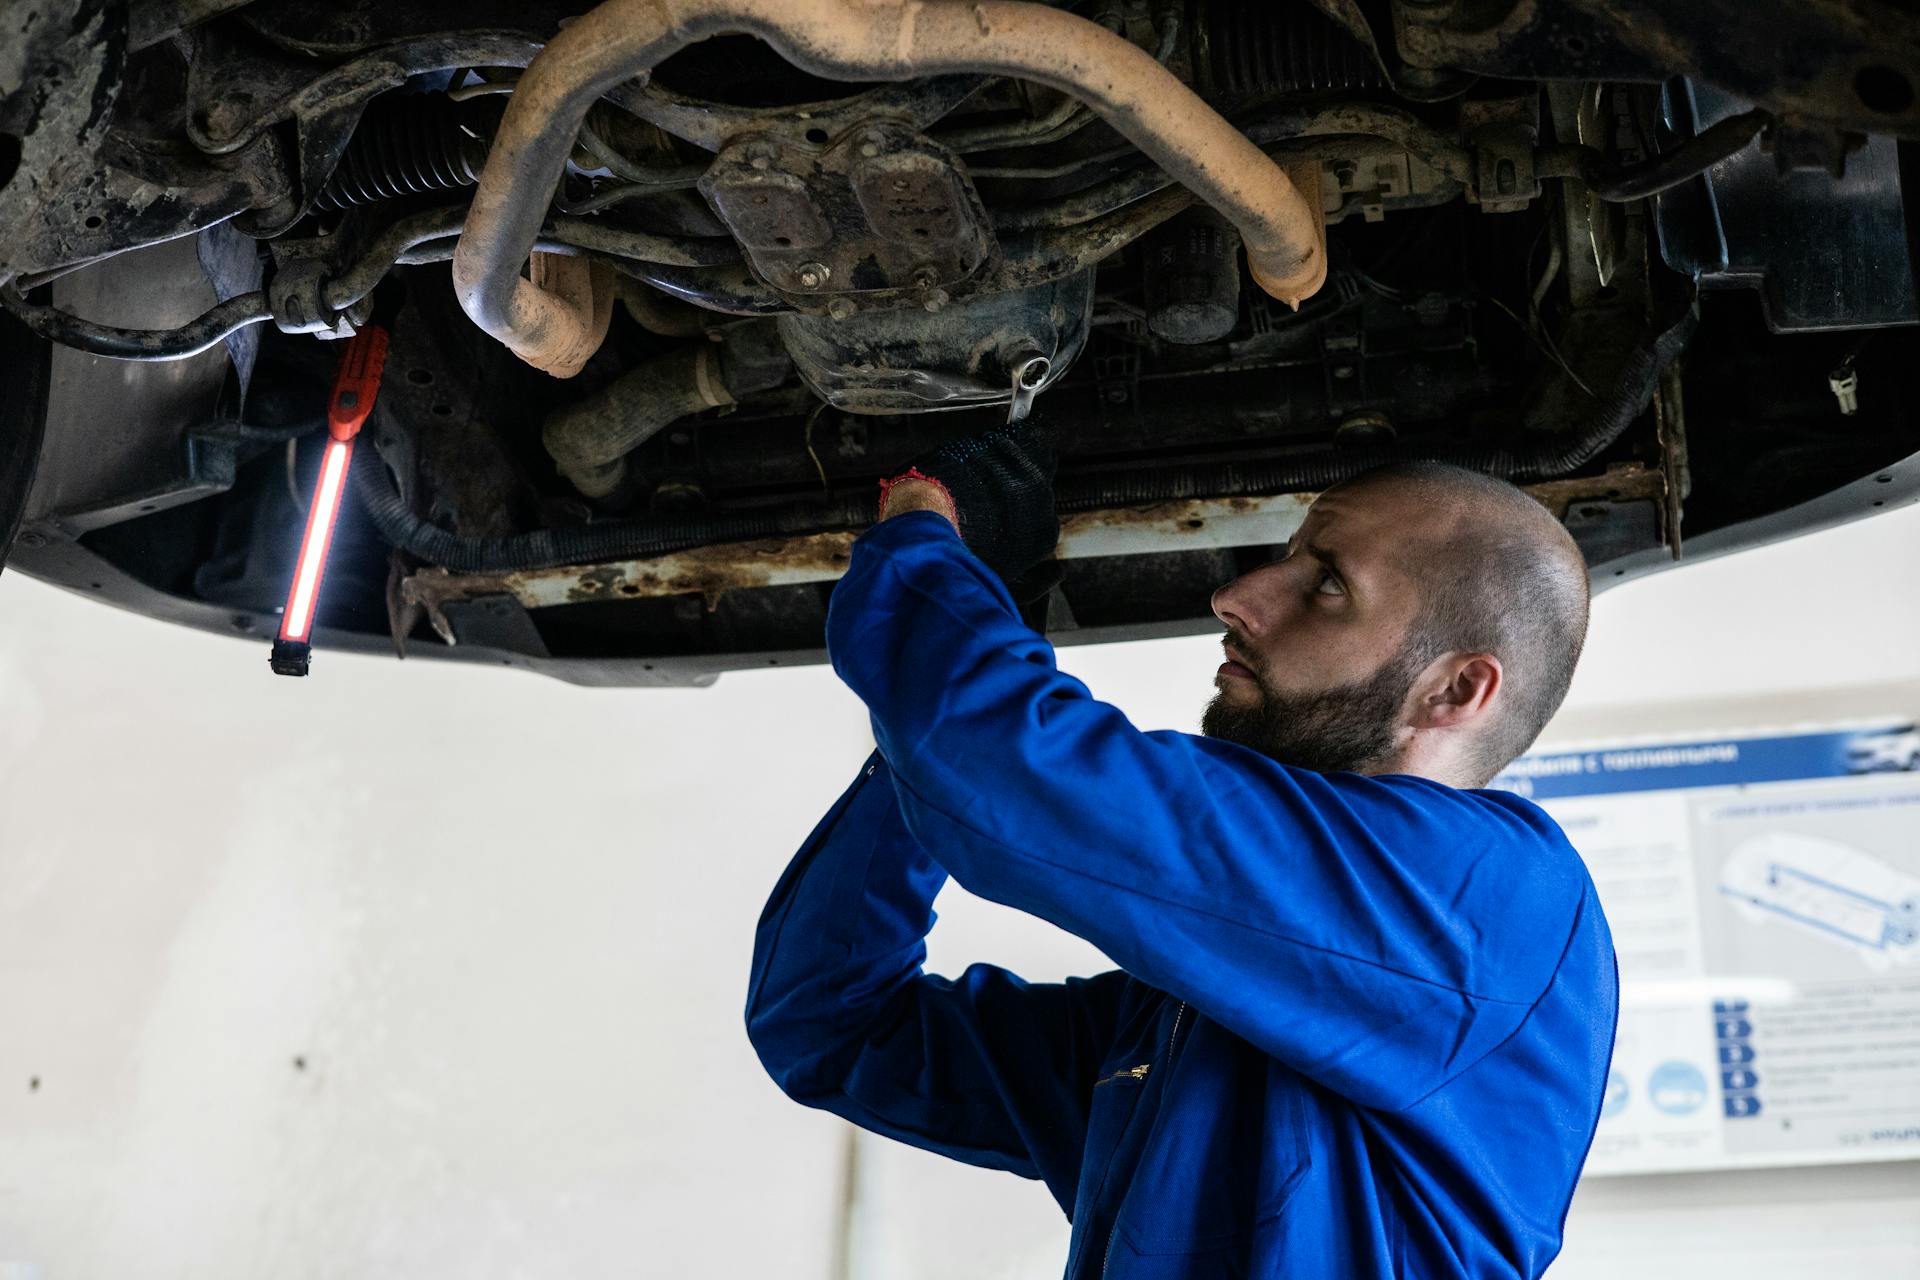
880, 208
1503, 133
496, 621
295, 293
1670, 429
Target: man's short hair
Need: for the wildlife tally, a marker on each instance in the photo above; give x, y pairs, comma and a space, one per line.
1505, 578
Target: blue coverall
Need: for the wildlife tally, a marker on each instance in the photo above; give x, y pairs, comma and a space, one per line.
1362, 1025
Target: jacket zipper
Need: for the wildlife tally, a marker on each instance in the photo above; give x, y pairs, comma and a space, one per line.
1138, 1073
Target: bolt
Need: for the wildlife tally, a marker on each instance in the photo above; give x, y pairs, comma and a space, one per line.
869, 149
1030, 370
242, 623
925, 277
812, 275
934, 299
760, 155
872, 143
839, 308
33, 539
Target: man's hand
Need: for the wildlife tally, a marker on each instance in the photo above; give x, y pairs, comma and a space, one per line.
997, 488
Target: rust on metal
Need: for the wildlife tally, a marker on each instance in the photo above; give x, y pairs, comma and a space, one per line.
1294, 281
1189, 524
709, 571
1192, 524
586, 289
859, 40
1622, 482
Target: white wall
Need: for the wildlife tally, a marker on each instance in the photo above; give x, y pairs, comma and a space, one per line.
503, 925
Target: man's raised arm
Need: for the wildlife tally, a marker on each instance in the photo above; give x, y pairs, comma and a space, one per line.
985, 1068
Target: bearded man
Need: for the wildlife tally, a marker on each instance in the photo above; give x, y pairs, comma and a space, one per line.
1365, 1007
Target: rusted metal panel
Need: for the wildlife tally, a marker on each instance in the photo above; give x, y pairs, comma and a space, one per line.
1194, 524
1198, 524
708, 571
1623, 482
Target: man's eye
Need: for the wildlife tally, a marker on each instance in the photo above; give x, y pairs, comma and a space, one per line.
1330, 585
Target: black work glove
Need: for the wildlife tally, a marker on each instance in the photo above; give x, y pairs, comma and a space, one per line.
1001, 484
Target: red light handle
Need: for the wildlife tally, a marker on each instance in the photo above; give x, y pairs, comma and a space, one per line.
357, 382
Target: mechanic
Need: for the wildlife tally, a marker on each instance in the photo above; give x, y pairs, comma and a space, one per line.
1365, 1009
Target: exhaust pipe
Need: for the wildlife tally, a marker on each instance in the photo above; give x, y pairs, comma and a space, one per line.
589, 440
858, 40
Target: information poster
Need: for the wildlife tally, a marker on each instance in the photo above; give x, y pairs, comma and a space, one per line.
1764, 897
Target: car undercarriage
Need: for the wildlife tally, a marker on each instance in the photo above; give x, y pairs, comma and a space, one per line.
671, 283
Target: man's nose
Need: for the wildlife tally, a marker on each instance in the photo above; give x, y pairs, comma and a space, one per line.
1247, 603
1233, 604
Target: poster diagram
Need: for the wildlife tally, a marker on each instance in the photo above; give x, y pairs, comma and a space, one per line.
1850, 898
1764, 897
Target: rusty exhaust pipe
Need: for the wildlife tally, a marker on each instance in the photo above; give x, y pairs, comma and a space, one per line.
858, 40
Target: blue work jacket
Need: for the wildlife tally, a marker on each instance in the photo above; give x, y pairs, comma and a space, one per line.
1362, 1024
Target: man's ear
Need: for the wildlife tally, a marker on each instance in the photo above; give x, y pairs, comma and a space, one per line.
1455, 690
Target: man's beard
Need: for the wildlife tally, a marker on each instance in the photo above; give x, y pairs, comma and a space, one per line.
1351, 728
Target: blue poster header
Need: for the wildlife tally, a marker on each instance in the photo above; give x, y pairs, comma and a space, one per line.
1721, 762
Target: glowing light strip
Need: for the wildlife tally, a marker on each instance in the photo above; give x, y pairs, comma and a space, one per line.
298, 619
